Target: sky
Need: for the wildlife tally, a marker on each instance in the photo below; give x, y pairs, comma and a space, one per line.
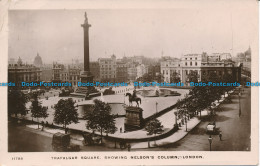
57, 35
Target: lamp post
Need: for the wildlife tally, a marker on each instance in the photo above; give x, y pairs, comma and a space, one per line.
124, 99
239, 95
156, 106
176, 114
186, 122
210, 142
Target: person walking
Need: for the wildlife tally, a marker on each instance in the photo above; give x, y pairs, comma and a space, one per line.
220, 136
129, 147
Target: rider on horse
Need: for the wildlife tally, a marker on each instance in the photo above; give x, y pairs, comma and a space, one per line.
133, 98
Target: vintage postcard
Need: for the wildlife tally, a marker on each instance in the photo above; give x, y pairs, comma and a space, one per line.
129, 82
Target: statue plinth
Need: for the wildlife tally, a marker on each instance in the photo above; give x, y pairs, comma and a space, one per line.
89, 91
134, 118
86, 76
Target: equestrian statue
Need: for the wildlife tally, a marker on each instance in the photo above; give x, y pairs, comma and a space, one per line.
133, 98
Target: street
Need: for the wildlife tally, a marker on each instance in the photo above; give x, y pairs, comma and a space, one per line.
24, 139
235, 130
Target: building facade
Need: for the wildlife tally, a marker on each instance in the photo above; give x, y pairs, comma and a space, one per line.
201, 66
38, 61
168, 67
57, 69
121, 72
141, 69
107, 69
131, 71
20, 72
95, 70
74, 75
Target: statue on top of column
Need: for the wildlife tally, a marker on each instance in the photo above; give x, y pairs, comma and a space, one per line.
86, 18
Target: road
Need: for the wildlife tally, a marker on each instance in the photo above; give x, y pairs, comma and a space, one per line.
24, 139
21, 139
235, 129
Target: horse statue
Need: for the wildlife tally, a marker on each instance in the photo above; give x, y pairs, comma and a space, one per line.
133, 98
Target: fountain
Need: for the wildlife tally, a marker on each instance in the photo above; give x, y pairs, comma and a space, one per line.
157, 92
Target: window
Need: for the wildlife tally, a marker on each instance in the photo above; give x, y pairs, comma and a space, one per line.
196, 63
196, 58
190, 63
185, 63
190, 58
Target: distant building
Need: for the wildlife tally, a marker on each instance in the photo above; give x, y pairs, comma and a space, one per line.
200, 64
74, 75
134, 59
12, 61
131, 71
20, 72
57, 69
121, 71
64, 75
219, 57
141, 69
220, 69
169, 66
138, 59
70, 74
192, 63
37, 61
245, 59
154, 71
46, 72
107, 69
95, 70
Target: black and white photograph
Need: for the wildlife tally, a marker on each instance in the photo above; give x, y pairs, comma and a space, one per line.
124, 80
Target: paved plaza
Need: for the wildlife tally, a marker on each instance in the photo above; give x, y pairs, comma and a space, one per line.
148, 105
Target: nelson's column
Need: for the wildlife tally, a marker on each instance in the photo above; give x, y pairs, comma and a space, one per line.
86, 76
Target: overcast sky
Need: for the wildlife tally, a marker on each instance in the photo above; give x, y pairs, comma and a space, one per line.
57, 35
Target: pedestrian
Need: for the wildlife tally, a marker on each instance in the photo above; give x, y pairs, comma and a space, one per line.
220, 136
129, 147
42, 125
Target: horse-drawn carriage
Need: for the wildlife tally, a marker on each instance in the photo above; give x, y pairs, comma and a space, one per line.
61, 142
91, 139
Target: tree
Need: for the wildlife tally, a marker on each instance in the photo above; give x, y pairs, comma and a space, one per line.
154, 127
193, 76
175, 77
228, 78
146, 78
100, 118
37, 110
212, 77
111, 125
201, 97
16, 102
65, 113
159, 77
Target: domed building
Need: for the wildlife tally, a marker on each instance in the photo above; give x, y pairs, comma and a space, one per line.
37, 61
